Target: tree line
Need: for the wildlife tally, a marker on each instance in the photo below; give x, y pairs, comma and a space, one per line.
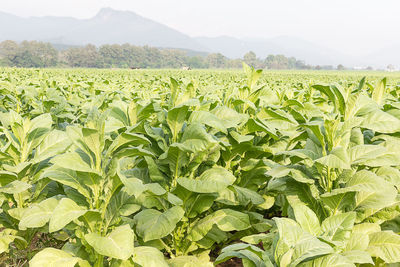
34, 54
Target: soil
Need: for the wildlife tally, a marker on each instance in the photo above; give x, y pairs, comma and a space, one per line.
235, 262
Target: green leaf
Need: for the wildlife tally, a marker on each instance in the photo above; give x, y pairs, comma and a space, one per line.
174, 86
358, 256
50, 257
65, 212
15, 187
246, 252
337, 159
72, 161
296, 245
37, 215
246, 195
118, 244
381, 121
378, 93
209, 119
229, 117
42, 121
7, 177
6, 237
373, 156
188, 261
91, 139
329, 260
211, 181
309, 248
126, 139
56, 142
385, 245
316, 129
225, 219
152, 224
338, 227
149, 256
304, 216
77, 180
196, 139
175, 119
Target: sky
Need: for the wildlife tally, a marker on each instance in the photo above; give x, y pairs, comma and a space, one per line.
353, 27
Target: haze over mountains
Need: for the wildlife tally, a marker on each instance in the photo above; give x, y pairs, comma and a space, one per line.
110, 26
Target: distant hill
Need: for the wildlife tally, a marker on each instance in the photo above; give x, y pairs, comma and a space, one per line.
286, 45
107, 27
384, 57
111, 26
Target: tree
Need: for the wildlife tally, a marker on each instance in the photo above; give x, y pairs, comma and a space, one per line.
390, 67
196, 62
39, 54
277, 62
8, 52
250, 58
340, 67
28, 54
216, 60
87, 57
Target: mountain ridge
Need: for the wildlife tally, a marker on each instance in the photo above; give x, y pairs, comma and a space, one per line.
110, 26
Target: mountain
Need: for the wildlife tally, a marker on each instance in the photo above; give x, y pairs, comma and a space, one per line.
384, 57
109, 26
287, 45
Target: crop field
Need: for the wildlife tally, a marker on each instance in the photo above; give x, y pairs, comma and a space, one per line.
198, 168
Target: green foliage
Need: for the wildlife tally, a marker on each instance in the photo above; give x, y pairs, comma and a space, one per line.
149, 170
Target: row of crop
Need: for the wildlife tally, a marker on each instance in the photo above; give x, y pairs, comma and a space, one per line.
297, 177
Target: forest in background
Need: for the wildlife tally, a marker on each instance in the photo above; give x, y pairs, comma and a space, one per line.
34, 54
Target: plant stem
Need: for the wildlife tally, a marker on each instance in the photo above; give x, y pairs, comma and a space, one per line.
99, 261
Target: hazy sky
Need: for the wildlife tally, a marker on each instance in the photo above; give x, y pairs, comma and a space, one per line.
349, 26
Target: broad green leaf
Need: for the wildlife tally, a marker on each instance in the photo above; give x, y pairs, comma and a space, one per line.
229, 117
6, 237
73, 161
308, 249
305, 216
337, 159
15, 187
211, 181
246, 195
152, 224
334, 259
42, 121
118, 244
56, 142
208, 119
196, 139
378, 93
77, 180
175, 119
338, 227
50, 257
126, 139
188, 261
358, 256
65, 212
253, 254
385, 245
225, 219
91, 139
381, 121
7, 177
149, 256
37, 215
